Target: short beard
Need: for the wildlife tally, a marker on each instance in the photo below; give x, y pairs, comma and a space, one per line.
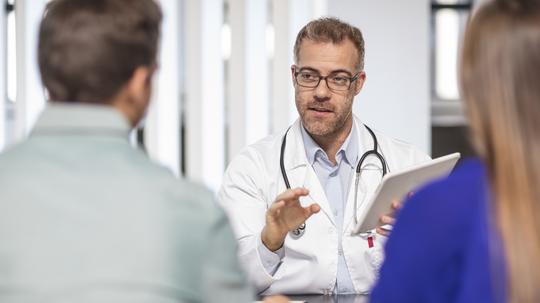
321, 129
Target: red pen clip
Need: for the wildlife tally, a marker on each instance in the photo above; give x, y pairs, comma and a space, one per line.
370, 241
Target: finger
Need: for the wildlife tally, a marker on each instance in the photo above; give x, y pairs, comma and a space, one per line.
396, 205
383, 232
275, 208
315, 208
311, 209
292, 194
387, 220
276, 299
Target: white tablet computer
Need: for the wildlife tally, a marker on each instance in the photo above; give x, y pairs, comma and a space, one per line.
397, 184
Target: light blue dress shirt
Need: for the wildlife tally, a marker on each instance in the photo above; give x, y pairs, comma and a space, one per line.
336, 181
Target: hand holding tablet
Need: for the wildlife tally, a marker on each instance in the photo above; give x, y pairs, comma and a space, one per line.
398, 184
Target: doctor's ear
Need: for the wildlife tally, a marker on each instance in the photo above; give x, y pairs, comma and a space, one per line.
359, 83
293, 69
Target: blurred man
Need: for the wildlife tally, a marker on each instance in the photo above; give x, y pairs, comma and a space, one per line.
84, 217
295, 197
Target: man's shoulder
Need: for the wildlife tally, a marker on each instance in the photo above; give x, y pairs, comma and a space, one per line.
198, 199
186, 202
178, 193
400, 152
132, 172
392, 147
396, 143
15, 152
267, 144
262, 150
269, 147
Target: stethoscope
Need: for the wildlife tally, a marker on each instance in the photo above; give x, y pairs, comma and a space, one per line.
298, 232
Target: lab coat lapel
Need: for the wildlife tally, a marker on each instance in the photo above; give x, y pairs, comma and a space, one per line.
301, 173
317, 194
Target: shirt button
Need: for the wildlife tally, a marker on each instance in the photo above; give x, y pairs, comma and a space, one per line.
330, 230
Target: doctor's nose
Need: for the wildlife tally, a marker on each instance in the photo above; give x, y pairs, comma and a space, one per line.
322, 92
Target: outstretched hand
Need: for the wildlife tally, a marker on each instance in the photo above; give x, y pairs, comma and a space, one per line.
285, 214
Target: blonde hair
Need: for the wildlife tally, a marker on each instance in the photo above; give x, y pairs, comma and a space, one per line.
500, 74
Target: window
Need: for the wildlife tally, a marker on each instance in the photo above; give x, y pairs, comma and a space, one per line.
449, 127
448, 21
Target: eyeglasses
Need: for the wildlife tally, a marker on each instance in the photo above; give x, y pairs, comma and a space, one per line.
335, 81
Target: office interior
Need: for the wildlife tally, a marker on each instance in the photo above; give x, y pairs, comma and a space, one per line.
224, 76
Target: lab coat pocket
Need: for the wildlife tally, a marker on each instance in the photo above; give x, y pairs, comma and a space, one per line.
375, 255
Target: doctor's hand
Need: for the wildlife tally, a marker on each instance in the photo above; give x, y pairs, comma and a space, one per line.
276, 299
388, 219
285, 215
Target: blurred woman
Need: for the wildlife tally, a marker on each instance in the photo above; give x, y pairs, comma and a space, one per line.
475, 236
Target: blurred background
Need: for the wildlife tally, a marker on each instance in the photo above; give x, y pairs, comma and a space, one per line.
224, 79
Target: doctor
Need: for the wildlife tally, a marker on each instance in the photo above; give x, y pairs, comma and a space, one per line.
291, 196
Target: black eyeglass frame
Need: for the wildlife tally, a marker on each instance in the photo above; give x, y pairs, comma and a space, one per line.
351, 80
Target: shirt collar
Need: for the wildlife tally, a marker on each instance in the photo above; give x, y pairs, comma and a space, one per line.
59, 117
349, 149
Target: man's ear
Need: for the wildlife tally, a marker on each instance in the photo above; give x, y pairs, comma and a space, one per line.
293, 67
359, 83
139, 86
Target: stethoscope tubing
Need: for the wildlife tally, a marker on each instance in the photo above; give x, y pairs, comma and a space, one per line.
372, 152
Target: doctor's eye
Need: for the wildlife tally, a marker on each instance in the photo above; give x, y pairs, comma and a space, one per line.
340, 80
308, 77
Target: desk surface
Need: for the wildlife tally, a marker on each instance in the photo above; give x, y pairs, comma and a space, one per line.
330, 298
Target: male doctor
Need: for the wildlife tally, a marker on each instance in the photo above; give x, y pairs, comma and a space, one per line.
299, 240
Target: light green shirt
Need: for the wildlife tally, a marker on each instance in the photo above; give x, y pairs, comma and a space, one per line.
85, 217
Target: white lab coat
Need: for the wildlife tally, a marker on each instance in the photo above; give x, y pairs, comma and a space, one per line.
252, 182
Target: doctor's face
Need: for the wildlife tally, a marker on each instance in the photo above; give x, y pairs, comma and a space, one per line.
326, 108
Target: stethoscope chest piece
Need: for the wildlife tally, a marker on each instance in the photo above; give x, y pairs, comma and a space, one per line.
299, 232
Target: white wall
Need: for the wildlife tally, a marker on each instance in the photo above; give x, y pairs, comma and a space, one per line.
396, 96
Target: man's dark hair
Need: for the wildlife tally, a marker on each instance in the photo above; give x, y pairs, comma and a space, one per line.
89, 49
329, 29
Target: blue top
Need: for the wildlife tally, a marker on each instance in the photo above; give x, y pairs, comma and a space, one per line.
443, 247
